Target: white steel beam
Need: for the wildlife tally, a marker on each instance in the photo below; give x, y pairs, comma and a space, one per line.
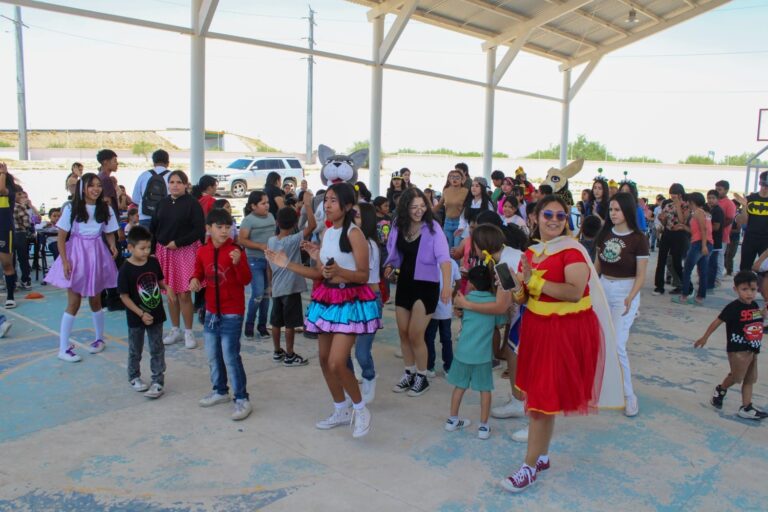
396, 29
85, 13
506, 61
577, 85
490, 99
684, 15
385, 7
565, 120
377, 88
205, 16
197, 98
547, 15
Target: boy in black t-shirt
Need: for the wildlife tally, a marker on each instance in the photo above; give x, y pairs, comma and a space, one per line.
139, 283
744, 328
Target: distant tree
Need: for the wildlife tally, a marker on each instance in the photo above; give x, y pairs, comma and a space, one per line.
739, 160
698, 160
360, 144
645, 159
142, 148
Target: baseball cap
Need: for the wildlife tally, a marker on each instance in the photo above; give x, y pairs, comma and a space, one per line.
396, 175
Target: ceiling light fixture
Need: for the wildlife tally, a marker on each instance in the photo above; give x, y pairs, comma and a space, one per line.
632, 17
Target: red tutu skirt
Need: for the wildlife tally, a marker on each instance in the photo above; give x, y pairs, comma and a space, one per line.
560, 362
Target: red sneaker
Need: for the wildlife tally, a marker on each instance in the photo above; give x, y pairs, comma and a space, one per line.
541, 465
524, 478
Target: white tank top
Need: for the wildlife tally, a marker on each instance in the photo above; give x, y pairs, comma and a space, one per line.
330, 249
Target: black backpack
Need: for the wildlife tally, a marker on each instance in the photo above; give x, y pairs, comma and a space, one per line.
154, 192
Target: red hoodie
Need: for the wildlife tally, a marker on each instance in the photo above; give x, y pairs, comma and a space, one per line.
232, 278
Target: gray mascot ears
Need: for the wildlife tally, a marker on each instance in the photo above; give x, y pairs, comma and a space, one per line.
339, 168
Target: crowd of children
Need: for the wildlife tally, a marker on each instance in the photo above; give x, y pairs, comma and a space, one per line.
453, 270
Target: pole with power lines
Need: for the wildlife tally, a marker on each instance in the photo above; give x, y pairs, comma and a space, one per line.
310, 82
20, 87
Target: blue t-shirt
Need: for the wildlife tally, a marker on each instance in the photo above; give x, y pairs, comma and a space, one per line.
476, 335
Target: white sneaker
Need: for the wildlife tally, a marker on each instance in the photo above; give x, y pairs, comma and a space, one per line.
69, 355
361, 422
431, 374
521, 436
4, 328
631, 408
97, 346
155, 391
139, 385
451, 426
483, 432
512, 409
10, 304
368, 389
213, 399
242, 409
339, 417
173, 336
189, 339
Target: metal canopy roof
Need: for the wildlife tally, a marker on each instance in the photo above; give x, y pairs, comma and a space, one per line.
569, 31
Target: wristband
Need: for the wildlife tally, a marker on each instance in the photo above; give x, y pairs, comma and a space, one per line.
535, 284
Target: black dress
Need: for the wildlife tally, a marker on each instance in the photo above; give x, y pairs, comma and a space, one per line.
410, 290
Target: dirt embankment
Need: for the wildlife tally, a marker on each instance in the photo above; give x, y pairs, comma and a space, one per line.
90, 139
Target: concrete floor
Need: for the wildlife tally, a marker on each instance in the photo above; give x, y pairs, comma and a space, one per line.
76, 437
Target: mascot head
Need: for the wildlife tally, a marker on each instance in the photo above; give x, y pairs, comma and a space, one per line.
339, 168
558, 179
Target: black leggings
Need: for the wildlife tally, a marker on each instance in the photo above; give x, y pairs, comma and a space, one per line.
751, 248
674, 244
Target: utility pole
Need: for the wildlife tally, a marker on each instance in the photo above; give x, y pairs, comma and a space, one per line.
310, 80
22, 103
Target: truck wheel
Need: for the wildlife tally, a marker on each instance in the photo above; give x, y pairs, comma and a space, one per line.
239, 189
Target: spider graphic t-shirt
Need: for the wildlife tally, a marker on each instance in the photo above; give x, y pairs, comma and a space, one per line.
142, 284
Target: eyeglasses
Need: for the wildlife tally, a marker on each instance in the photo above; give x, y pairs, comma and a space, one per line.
560, 215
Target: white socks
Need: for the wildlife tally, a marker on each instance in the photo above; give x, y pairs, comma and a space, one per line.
98, 324
359, 406
66, 329
341, 405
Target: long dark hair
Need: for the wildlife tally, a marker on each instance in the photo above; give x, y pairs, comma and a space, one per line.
362, 192
601, 207
485, 200
79, 212
205, 182
345, 195
628, 208
273, 178
368, 221
254, 197
403, 218
546, 201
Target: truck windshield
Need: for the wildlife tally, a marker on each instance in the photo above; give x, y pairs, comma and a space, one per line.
240, 164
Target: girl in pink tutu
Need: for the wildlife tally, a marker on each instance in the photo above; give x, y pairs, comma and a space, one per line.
343, 306
179, 228
86, 265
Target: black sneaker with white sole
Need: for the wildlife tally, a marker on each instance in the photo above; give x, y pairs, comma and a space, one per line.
420, 385
278, 356
406, 381
750, 413
294, 360
717, 397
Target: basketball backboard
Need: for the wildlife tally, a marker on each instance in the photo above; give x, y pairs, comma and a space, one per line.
762, 125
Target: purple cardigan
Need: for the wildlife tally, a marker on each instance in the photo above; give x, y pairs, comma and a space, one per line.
433, 250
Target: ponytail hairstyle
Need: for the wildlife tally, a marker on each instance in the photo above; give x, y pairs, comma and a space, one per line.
79, 212
368, 222
206, 181
254, 197
364, 195
345, 195
628, 207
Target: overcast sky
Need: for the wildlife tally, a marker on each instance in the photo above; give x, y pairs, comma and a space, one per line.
691, 89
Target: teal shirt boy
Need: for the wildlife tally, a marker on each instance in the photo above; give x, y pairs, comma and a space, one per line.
476, 335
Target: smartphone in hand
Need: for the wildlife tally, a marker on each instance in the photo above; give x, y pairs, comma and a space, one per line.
507, 279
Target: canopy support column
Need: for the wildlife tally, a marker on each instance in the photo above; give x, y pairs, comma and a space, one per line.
490, 98
377, 84
197, 98
566, 118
